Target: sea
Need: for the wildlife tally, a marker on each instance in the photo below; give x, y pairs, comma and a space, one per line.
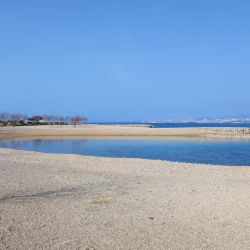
181, 125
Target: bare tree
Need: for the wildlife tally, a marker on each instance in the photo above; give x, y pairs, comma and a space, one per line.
45, 118
74, 120
15, 117
61, 118
24, 117
68, 119
48, 118
78, 119
57, 118
53, 118
4, 116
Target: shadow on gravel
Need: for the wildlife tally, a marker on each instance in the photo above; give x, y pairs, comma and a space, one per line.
53, 193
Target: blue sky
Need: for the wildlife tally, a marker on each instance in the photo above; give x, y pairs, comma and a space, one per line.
126, 59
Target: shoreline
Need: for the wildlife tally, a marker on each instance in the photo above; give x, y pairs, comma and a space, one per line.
122, 131
167, 162
70, 201
110, 132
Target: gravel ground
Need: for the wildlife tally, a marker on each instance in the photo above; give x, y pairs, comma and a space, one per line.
52, 201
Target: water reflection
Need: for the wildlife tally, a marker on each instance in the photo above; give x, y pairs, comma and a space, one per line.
195, 151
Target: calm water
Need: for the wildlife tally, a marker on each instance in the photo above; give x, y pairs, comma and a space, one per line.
185, 125
210, 152
201, 125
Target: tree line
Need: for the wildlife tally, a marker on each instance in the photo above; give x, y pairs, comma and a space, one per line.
19, 119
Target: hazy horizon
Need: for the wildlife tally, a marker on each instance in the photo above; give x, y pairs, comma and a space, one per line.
117, 60
172, 119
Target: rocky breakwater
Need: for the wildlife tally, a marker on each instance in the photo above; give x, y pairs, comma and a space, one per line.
238, 131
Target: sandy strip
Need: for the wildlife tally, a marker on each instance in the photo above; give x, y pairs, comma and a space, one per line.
114, 130
50, 201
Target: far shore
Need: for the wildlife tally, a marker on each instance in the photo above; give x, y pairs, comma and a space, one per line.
121, 131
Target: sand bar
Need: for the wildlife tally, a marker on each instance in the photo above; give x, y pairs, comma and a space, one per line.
115, 130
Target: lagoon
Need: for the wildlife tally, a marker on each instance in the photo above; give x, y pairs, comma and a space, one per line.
231, 153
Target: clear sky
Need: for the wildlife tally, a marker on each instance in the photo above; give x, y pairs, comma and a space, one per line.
125, 59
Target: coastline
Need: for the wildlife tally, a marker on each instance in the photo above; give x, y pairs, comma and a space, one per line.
59, 201
118, 130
